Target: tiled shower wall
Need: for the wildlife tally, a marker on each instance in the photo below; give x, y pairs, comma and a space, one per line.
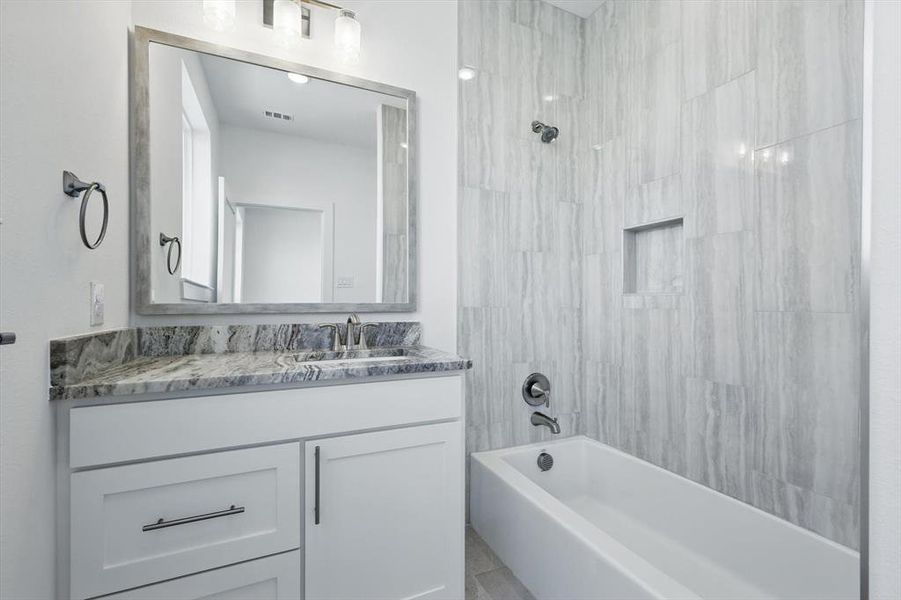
520, 214
731, 356
743, 119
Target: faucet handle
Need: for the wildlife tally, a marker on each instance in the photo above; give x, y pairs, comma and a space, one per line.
337, 346
536, 390
363, 345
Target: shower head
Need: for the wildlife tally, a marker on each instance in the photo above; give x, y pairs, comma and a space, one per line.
548, 133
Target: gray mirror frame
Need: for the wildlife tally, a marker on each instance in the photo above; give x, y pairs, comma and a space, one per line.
142, 236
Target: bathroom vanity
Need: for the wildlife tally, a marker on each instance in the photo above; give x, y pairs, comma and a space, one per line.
252, 462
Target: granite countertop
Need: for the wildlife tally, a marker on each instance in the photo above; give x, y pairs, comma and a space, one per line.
181, 359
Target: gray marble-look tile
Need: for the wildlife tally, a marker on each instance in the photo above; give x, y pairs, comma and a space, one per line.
719, 42
603, 412
487, 150
717, 159
567, 250
653, 201
536, 15
606, 197
806, 401
718, 435
568, 67
719, 308
570, 149
656, 23
484, 228
809, 203
653, 388
529, 77
534, 203
809, 66
482, 338
835, 520
484, 26
660, 122
602, 307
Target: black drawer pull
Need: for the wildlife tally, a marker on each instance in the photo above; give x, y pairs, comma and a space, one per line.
162, 523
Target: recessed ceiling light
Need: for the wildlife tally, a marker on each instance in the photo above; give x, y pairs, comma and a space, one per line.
596, 147
549, 98
298, 78
466, 73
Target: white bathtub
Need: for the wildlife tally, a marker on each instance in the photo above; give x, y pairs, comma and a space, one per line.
602, 524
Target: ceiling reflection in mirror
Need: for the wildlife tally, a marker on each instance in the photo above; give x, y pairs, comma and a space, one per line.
280, 187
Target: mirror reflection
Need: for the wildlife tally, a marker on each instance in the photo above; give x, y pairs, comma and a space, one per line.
281, 188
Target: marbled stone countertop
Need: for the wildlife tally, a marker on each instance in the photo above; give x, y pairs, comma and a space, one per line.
125, 363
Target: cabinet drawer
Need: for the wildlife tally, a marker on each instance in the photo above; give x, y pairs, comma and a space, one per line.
273, 578
137, 524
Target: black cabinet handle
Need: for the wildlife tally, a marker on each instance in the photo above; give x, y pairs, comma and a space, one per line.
316, 490
162, 523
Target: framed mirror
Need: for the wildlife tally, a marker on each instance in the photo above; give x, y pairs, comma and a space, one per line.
265, 186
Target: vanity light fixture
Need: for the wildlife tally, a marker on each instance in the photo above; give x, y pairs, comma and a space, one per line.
290, 19
347, 37
219, 14
298, 78
466, 73
287, 22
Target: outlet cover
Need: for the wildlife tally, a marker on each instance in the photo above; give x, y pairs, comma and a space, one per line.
346, 282
97, 300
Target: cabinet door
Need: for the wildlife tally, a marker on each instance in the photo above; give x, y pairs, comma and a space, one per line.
384, 515
272, 578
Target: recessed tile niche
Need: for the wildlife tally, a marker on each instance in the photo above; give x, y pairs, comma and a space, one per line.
652, 258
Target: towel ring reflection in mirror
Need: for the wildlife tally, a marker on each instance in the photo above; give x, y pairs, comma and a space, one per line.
172, 241
73, 186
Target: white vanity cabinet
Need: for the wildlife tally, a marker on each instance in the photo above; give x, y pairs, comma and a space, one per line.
216, 496
382, 512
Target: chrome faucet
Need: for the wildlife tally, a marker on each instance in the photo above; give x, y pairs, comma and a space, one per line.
352, 333
539, 419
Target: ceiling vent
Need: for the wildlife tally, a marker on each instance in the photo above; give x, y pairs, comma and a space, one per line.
272, 114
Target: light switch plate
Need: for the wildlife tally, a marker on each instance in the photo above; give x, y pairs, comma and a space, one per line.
96, 303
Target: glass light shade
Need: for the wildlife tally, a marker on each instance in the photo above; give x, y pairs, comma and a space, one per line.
287, 22
219, 14
347, 37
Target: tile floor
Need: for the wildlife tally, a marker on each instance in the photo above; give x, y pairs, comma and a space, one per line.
487, 578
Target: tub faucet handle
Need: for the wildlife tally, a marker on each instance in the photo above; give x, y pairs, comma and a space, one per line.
539, 392
536, 390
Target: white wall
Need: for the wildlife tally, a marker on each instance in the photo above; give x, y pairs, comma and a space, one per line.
883, 30
407, 44
63, 105
261, 167
282, 255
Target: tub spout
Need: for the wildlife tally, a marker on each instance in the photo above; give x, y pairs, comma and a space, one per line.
539, 419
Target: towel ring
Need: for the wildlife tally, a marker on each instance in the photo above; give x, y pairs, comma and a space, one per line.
73, 186
172, 241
